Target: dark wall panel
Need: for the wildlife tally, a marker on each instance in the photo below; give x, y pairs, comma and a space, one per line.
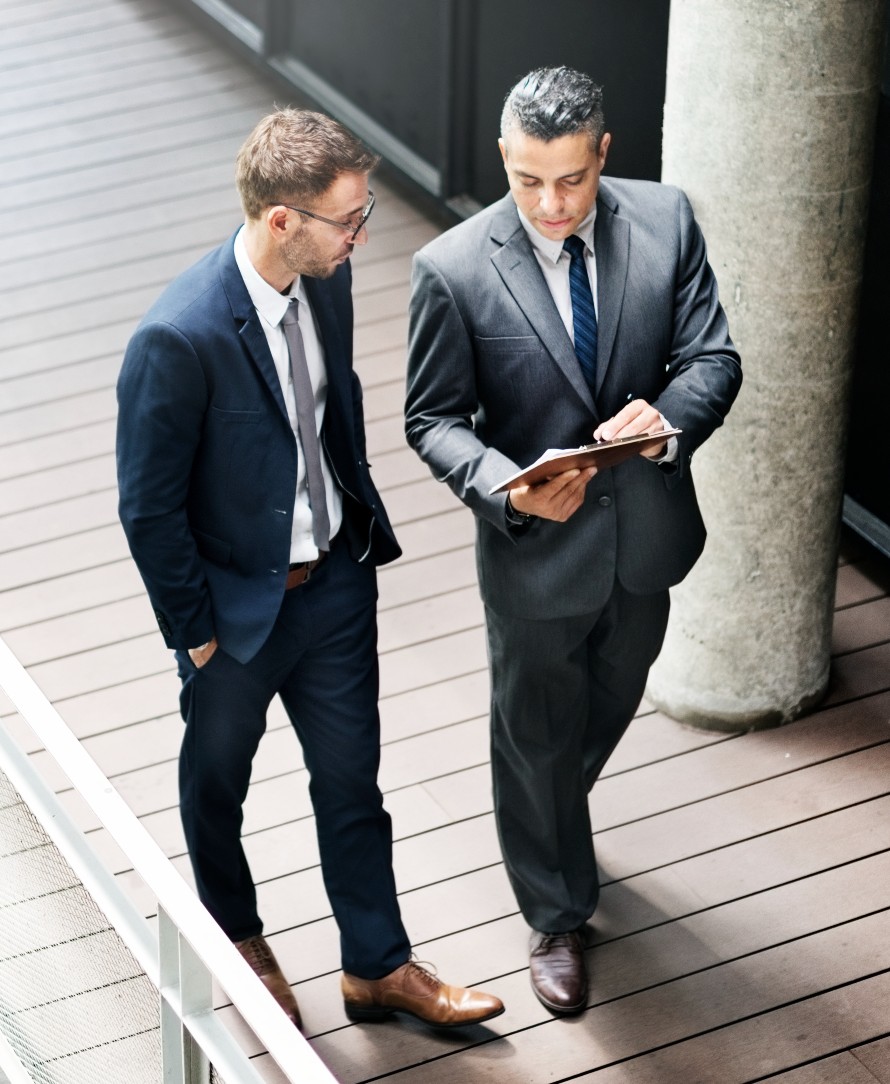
388, 58
868, 456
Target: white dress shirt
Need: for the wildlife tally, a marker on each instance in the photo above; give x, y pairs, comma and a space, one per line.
271, 307
554, 262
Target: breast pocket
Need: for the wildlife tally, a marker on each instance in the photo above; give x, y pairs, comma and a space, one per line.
517, 366
236, 417
505, 347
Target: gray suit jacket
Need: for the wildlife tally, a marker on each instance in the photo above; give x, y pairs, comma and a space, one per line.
493, 381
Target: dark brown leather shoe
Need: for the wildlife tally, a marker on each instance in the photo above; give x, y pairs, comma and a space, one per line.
413, 989
558, 972
262, 961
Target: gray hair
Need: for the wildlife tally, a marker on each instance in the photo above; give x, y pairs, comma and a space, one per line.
552, 102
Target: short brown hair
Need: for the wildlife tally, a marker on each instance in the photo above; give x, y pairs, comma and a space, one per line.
294, 156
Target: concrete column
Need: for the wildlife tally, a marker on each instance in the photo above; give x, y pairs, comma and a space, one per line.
769, 128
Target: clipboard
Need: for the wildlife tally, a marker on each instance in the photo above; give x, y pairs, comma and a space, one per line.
604, 453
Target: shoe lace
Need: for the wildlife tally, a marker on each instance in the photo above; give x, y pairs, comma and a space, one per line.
426, 971
557, 940
257, 953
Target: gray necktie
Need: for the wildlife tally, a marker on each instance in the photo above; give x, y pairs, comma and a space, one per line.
305, 397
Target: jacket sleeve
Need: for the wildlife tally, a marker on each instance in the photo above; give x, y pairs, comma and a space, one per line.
442, 397
162, 401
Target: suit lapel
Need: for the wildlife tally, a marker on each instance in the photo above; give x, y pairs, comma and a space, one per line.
516, 264
250, 329
611, 243
336, 359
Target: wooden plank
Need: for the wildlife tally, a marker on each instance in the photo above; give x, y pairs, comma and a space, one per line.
650, 959
382, 304
861, 582
876, 1058
386, 271
860, 673
56, 449
61, 416
861, 626
93, 107
109, 51
58, 520
725, 768
826, 1023
110, 131
440, 534
72, 218
82, 631
77, 477
375, 340
67, 26
388, 435
86, 376
772, 983
213, 148
49, 560
701, 879
102, 255
397, 468
424, 664
80, 590
413, 578
141, 69
414, 501
428, 619
384, 366
837, 1069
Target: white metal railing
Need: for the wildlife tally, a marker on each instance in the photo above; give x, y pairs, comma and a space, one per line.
189, 949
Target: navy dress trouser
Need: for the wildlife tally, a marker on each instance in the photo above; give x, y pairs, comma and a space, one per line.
321, 659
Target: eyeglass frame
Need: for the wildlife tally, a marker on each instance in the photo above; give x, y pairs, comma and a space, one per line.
348, 226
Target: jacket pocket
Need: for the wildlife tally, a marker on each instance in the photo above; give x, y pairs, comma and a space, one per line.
212, 549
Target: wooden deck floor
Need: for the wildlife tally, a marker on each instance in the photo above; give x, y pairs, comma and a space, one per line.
744, 930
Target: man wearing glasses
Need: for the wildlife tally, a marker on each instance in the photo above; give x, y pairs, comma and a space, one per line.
250, 511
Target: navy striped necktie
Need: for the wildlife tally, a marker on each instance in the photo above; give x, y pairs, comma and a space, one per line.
583, 311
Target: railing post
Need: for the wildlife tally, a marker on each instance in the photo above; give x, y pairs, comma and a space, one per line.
184, 979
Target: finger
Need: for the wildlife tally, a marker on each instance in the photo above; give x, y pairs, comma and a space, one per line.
637, 417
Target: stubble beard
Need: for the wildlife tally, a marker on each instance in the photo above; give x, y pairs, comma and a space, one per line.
302, 257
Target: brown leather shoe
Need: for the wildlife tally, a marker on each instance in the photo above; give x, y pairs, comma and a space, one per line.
412, 989
558, 972
262, 960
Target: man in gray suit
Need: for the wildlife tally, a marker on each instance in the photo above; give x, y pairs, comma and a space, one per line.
519, 344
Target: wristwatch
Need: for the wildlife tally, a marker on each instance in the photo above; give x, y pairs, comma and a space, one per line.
517, 519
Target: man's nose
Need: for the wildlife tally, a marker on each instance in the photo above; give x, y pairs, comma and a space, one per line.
361, 238
551, 199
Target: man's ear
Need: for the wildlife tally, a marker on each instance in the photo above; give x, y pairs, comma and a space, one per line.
503, 149
604, 148
277, 220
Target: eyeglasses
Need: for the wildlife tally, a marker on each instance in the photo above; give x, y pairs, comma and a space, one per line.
351, 228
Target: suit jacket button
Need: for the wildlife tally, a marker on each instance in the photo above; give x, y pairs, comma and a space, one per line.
605, 501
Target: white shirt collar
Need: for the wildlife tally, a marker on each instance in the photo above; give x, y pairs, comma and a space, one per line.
551, 249
268, 302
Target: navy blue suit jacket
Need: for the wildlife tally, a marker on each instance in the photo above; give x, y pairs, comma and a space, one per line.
207, 460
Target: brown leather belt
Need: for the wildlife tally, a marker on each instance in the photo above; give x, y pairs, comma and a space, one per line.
298, 574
